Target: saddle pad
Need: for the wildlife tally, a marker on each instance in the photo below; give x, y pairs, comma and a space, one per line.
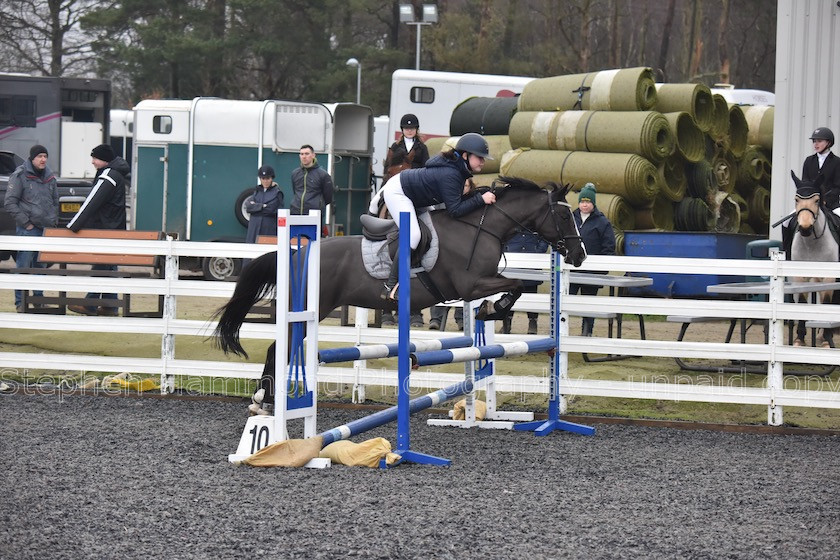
378, 261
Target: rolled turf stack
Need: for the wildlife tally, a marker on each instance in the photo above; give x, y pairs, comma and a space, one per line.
662, 156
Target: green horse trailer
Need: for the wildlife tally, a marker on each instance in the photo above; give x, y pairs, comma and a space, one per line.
195, 162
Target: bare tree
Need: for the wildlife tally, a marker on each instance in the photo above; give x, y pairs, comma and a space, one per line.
723, 53
43, 36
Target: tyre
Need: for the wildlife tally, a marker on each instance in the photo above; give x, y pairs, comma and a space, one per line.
221, 269
239, 207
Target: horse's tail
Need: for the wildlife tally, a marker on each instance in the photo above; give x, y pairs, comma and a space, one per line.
256, 281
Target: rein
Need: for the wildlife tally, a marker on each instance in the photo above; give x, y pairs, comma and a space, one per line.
816, 221
550, 211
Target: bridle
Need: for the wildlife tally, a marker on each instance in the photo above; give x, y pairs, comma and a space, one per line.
816, 221
551, 211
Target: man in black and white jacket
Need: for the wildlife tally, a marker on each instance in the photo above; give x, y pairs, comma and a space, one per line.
104, 208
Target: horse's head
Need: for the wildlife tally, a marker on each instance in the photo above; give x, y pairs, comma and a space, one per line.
555, 223
807, 199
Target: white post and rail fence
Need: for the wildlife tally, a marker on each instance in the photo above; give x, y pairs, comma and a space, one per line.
778, 391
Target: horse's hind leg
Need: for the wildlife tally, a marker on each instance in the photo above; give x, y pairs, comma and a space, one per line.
265, 393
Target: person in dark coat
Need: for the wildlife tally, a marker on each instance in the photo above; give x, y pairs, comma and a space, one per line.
409, 152
32, 200
824, 162
312, 186
263, 205
598, 237
104, 208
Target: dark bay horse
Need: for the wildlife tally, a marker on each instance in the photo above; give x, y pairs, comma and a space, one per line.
815, 236
466, 268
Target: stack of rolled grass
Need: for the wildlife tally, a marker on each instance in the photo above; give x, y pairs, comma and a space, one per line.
662, 156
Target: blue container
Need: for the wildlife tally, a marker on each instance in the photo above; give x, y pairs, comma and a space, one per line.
683, 244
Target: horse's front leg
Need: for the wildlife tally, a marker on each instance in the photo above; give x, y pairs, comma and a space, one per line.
490, 311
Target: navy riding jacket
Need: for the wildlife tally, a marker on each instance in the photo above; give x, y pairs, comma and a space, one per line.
441, 181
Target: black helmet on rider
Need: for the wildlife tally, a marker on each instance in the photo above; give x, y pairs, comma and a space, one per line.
823, 133
473, 143
409, 121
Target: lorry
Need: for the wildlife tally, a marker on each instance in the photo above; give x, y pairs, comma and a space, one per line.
195, 164
432, 96
68, 116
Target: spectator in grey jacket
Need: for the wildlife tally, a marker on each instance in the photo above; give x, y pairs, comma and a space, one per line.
104, 208
312, 186
32, 200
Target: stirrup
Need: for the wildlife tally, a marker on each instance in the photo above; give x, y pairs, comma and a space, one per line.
389, 293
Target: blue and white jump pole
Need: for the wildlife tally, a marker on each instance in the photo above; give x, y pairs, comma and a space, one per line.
374, 351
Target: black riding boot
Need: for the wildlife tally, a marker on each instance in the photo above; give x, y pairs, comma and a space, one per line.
389, 290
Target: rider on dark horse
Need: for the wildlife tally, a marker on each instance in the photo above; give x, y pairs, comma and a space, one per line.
441, 181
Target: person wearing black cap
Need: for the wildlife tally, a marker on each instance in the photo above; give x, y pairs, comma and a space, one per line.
104, 208
32, 200
824, 162
262, 205
409, 152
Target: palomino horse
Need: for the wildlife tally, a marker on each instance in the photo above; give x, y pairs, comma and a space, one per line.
815, 238
464, 270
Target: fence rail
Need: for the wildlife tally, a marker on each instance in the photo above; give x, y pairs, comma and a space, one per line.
822, 393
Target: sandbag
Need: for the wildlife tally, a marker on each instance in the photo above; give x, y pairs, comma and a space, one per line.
627, 89
646, 133
695, 99
287, 453
484, 115
627, 175
760, 125
365, 454
459, 410
691, 143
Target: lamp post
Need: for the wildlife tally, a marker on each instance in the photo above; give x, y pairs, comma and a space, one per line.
353, 63
407, 16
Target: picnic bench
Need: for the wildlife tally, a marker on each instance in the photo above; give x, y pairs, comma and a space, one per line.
129, 266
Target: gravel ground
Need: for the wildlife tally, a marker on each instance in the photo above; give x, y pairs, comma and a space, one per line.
96, 477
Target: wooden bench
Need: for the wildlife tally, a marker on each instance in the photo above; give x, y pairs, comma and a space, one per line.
58, 304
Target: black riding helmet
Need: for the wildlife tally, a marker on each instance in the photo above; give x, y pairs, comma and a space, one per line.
409, 121
474, 143
823, 133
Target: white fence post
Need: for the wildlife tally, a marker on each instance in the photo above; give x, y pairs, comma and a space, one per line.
167, 343
775, 368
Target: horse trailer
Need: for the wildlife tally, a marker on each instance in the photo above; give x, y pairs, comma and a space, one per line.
68, 116
195, 162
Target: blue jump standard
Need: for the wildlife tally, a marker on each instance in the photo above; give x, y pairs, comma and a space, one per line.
540, 427
404, 357
373, 351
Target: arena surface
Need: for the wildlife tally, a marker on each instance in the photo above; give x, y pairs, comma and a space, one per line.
101, 477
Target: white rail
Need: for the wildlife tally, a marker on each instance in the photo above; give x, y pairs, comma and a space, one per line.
777, 392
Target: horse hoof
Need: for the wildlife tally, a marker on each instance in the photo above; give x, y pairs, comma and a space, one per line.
255, 410
484, 310
798, 342
258, 397
825, 344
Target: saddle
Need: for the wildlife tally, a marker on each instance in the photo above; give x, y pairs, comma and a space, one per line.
385, 229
